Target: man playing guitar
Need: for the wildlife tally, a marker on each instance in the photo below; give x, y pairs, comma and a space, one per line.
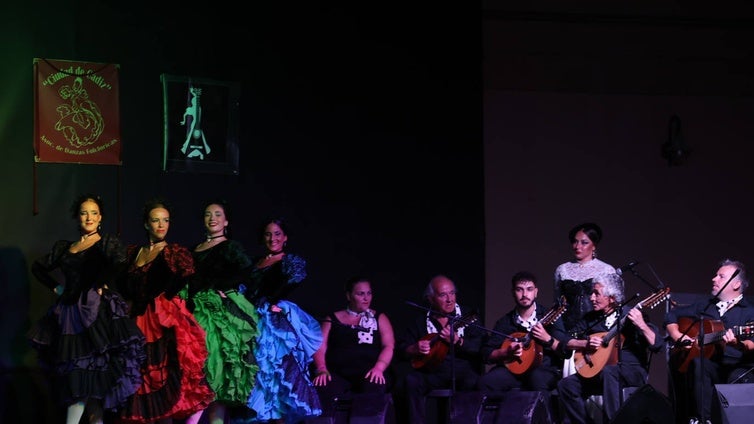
525, 343
637, 336
438, 354
728, 345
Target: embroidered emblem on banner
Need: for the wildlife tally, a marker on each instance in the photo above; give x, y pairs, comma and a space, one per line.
76, 112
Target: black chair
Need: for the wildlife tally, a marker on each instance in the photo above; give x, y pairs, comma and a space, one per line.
594, 403
349, 408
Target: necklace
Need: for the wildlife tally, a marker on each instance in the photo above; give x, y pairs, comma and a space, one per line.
86, 236
153, 243
271, 254
210, 238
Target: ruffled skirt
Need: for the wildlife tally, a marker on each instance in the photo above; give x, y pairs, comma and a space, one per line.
92, 349
173, 379
230, 324
287, 341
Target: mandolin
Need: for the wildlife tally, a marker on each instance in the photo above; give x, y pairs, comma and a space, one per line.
438, 346
714, 330
531, 353
590, 363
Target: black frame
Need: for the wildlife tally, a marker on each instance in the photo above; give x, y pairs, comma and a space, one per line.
214, 148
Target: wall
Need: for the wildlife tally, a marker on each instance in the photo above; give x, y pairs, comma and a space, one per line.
575, 115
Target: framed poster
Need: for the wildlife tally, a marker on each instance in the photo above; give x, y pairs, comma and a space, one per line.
201, 125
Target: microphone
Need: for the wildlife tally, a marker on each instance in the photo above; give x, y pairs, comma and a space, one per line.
629, 267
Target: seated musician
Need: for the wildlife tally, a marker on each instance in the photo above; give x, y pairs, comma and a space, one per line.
727, 319
526, 343
599, 371
427, 343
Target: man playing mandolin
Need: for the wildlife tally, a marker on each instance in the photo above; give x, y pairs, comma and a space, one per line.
606, 359
525, 344
437, 353
728, 345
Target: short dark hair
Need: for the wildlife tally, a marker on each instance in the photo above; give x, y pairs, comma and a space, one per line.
523, 276
592, 230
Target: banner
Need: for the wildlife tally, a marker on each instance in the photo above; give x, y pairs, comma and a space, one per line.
76, 112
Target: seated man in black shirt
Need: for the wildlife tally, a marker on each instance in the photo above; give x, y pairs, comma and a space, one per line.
437, 353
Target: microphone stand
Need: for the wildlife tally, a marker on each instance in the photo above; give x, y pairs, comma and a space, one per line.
742, 375
452, 320
644, 280
620, 346
670, 303
700, 320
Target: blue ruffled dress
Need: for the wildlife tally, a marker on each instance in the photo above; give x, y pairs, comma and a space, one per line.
285, 346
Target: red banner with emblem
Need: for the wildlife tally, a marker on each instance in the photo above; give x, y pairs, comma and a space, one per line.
76, 112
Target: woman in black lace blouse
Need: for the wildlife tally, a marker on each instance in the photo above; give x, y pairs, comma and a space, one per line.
573, 279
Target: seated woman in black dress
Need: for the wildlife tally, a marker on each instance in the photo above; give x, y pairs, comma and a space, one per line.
357, 347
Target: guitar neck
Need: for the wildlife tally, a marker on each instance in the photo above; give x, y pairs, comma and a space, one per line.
650, 302
716, 336
552, 315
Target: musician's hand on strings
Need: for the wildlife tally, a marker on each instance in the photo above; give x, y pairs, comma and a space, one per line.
423, 346
637, 318
685, 342
730, 338
445, 334
539, 332
593, 343
515, 349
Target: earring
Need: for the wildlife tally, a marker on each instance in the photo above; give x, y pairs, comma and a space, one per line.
594, 254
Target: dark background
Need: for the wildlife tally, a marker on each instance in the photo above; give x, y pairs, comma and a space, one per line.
359, 124
578, 103
402, 140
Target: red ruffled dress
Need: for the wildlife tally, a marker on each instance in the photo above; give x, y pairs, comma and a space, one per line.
174, 384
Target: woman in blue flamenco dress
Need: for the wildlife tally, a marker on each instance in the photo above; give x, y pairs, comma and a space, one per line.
86, 340
288, 336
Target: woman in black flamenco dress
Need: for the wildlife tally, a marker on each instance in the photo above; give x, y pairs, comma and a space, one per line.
227, 317
86, 341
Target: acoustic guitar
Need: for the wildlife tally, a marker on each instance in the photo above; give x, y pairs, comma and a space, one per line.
439, 347
714, 330
531, 353
589, 363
